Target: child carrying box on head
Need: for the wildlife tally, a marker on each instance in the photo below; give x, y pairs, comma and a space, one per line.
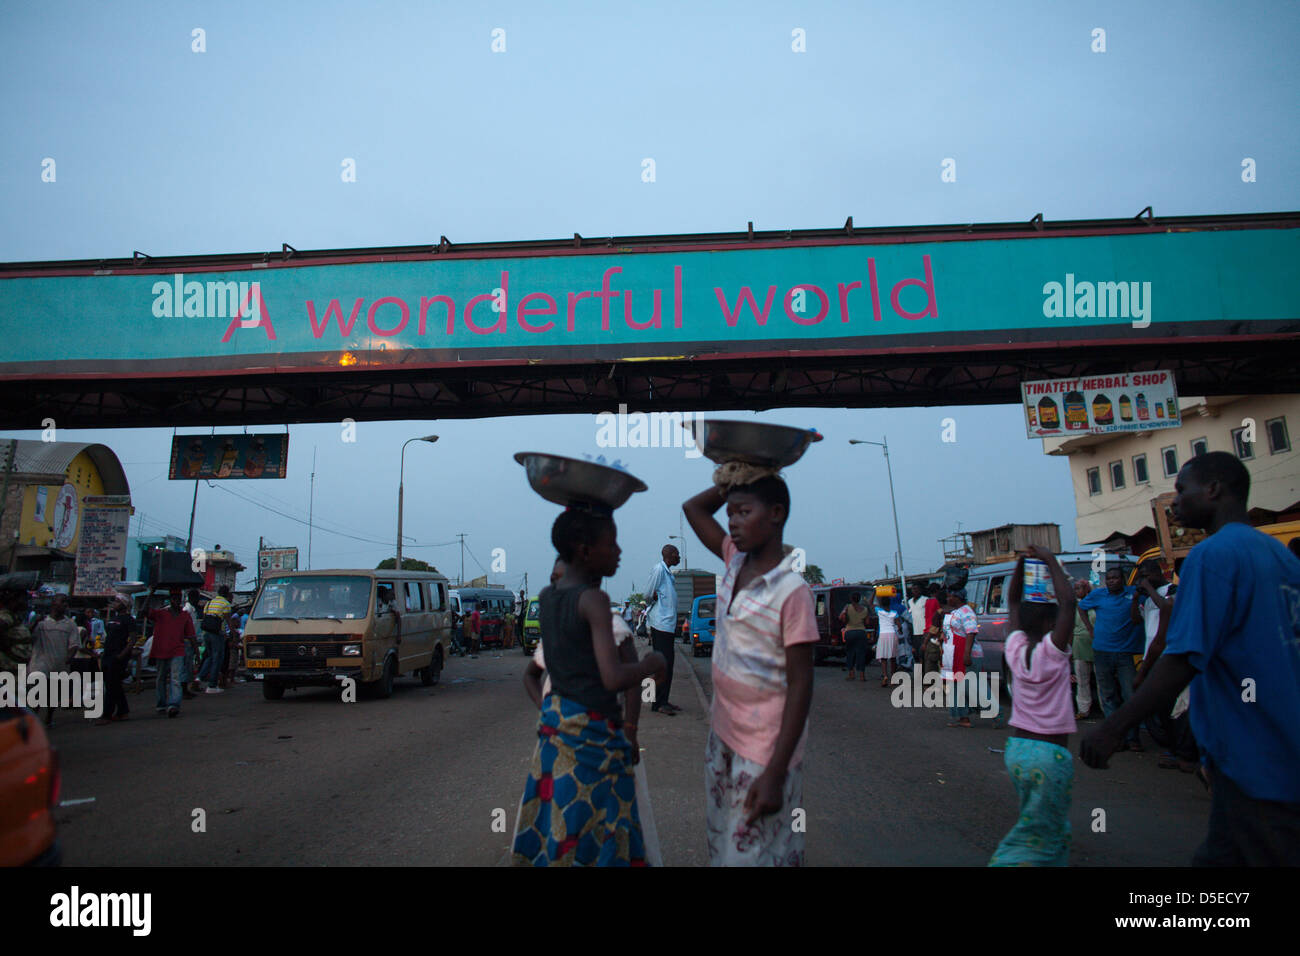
762, 672
1037, 654
579, 803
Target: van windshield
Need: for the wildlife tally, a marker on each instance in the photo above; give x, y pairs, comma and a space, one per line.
534, 610
708, 608
341, 597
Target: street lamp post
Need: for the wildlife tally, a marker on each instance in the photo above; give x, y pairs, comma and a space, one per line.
401, 477
894, 506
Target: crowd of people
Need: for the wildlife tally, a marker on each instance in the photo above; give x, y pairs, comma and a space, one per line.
1211, 671
193, 647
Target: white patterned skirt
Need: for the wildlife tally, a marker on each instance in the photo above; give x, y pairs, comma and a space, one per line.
775, 840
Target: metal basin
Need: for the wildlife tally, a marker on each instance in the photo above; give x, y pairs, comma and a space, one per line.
754, 442
568, 480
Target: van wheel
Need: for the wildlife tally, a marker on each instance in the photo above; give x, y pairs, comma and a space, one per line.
383, 688
429, 676
1006, 682
272, 690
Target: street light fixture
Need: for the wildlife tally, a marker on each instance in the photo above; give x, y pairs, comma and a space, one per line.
902, 596
401, 475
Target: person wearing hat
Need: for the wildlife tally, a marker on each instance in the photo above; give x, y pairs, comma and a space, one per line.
118, 643
15, 638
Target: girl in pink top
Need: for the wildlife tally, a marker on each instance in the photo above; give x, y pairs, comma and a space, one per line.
1037, 654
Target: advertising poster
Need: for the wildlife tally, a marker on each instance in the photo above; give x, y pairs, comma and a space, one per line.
229, 456
1100, 404
101, 551
277, 559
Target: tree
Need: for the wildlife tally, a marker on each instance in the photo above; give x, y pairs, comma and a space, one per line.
636, 597
813, 575
408, 564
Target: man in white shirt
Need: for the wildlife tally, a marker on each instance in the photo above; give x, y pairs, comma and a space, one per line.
1152, 606
661, 621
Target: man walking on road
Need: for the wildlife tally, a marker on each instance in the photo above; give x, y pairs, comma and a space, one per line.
662, 623
1233, 636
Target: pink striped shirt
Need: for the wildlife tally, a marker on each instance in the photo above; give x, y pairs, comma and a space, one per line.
754, 628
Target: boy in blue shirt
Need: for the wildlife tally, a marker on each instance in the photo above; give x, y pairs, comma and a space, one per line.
1115, 639
1235, 637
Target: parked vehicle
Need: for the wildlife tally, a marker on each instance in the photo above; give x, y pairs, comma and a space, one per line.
29, 791
316, 628
532, 632
986, 587
690, 584
491, 604
828, 602
704, 612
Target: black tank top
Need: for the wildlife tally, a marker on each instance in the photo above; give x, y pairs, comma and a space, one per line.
570, 659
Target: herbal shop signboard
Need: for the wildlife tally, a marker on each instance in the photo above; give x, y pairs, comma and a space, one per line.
1100, 404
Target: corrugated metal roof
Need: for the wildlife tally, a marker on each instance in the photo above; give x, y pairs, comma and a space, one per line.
54, 457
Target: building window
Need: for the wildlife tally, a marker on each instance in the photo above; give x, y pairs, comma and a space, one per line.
1170, 458
1117, 475
1278, 439
1094, 481
1199, 447
1140, 470
1245, 449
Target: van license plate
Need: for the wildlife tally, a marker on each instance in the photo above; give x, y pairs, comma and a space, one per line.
263, 663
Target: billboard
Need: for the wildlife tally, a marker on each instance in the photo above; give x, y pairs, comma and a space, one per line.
229, 456
101, 549
1100, 404
687, 297
277, 559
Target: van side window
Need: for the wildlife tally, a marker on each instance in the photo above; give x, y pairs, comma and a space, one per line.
998, 594
414, 596
385, 596
438, 594
976, 589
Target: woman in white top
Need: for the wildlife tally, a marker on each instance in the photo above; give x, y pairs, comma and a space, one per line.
887, 642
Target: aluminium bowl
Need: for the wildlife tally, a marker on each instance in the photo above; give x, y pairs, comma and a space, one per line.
569, 480
757, 443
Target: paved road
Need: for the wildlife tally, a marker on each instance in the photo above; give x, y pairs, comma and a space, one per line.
422, 778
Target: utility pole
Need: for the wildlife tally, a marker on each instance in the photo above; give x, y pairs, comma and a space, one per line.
311, 504
462, 558
189, 540
260, 548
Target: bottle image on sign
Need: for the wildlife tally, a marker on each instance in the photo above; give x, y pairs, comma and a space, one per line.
1076, 412
1033, 416
1048, 415
1125, 408
1160, 409
1173, 408
1143, 413
1103, 413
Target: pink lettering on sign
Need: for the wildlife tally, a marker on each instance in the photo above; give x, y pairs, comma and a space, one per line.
821, 297
387, 300
334, 309
746, 297
526, 313
426, 301
238, 320
931, 310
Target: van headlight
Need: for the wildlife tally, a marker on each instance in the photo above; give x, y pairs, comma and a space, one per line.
256, 650
351, 650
